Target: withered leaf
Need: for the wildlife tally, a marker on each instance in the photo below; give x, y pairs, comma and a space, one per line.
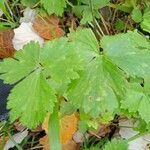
68, 125
48, 27
71, 145
6, 46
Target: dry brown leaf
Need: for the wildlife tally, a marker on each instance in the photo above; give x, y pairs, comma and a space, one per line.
18, 126
70, 21
68, 127
6, 46
101, 131
47, 27
71, 145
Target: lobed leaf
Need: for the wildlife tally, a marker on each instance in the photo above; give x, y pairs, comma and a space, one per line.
139, 99
38, 72
116, 145
130, 52
145, 24
88, 9
100, 83
54, 6
23, 63
31, 99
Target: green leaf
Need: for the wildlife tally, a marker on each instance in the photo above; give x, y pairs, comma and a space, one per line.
85, 43
87, 15
132, 98
5, 11
86, 122
128, 51
102, 83
136, 15
136, 96
116, 145
67, 108
130, 3
29, 3
120, 25
96, 4
146, 84
82, 126
25, 61
88, 9
54, 6
97, 89
145, 25
141, 126
31, 99
7, 25
144, 108
37, 69
61, 63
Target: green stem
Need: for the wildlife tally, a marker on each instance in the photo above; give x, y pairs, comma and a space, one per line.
96, 30
112, 5
120, 7
69, 3
54, 130
10, 12
95, 21
125, 127
137, 136
36, 5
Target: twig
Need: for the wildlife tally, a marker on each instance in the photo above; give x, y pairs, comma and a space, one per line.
100, 29
104, 23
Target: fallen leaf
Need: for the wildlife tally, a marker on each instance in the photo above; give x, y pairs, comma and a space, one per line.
24, 34
6, 46
126, 131
103, 130
45, 142
47, 27
71, 145
78, 137
28, 15
18, 138
68, 126
18, 126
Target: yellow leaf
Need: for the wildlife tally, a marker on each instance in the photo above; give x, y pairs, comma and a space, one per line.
68, 126
71, 145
